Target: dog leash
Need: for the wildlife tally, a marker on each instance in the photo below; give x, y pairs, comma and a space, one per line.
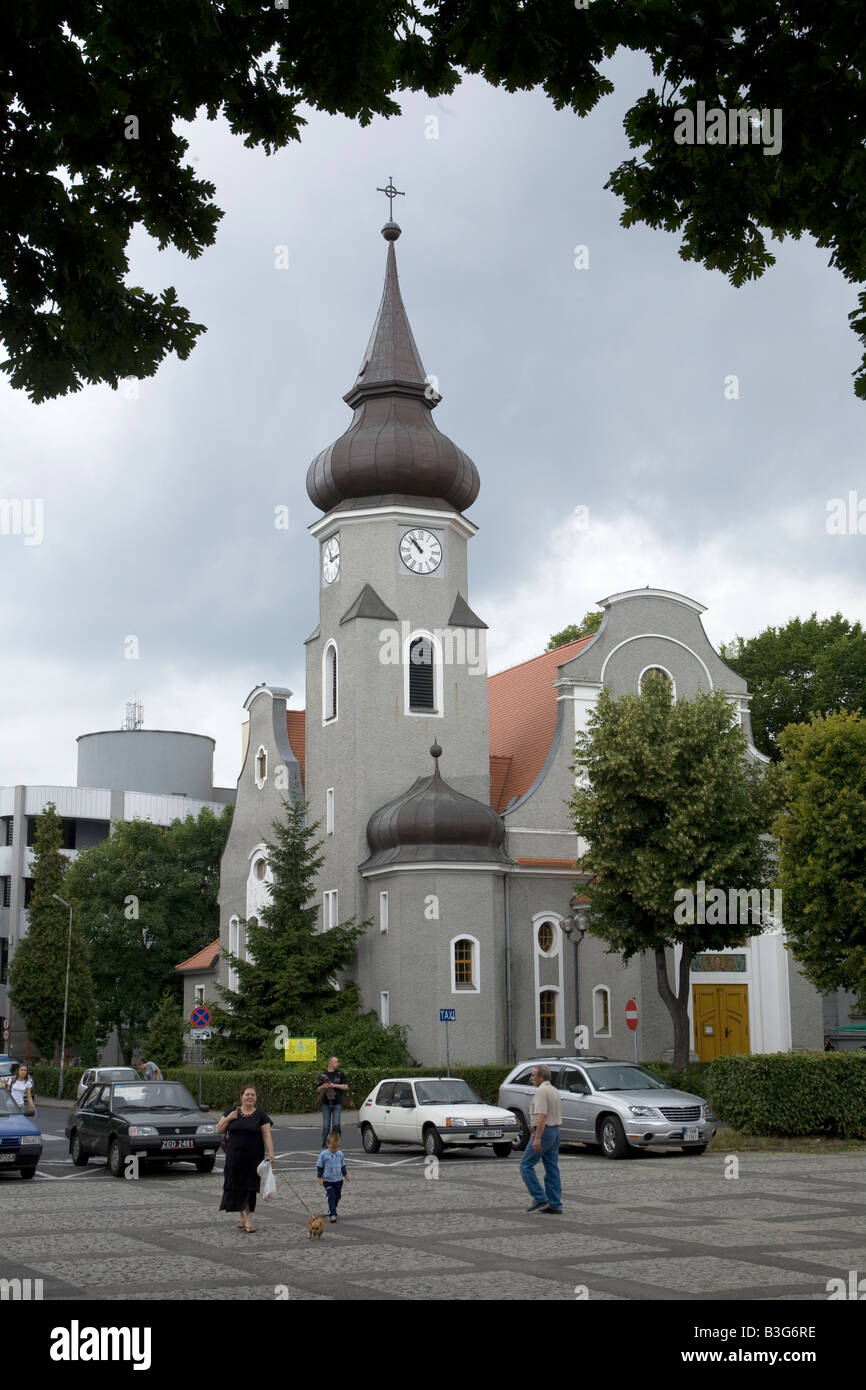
298, 1195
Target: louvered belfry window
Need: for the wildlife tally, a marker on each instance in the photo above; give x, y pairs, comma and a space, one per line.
421, 685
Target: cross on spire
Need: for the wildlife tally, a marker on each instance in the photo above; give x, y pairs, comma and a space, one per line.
391, 193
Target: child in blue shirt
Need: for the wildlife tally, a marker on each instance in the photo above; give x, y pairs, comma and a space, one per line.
330, 1170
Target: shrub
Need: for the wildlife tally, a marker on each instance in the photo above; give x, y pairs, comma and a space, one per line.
293, 1091
693, 1078
791, 1093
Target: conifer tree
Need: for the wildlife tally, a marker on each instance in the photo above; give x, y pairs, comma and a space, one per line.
37, 976
290, 979
164, 1042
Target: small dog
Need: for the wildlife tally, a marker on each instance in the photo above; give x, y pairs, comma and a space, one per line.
315, 1227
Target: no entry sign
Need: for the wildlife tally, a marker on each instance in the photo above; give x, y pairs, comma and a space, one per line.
631, 1014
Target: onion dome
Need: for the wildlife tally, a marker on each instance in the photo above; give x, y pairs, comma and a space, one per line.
432, 822
392, 445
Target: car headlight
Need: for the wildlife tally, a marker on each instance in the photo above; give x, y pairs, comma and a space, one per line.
644, 1112
31, 1139
137, 1131
455, 1122
708, 1114
206, 1129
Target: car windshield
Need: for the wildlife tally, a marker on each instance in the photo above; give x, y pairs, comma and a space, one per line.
153, 1095
8, 1104
625, 1077
445, 1093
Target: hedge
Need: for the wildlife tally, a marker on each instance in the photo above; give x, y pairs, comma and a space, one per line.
294, 1093
791, 1093
694, 1078
45, 1079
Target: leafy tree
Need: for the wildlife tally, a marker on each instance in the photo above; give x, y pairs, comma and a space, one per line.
591, 623
94, 93
147, 898
164, 1042
37, 975
807, 667
822, 849
666, 800
290, 980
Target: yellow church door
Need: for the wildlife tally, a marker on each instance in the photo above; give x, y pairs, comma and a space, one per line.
721, 1014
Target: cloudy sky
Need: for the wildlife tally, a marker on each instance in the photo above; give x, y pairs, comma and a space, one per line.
601, 388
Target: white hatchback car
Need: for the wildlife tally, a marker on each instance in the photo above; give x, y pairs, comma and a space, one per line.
435, 1112
106, 1074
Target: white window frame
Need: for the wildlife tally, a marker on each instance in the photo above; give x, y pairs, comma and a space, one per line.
329, 685
475, 988
657, 666
385, 1008
261, 753
557, 937
557, 1040
596, 1031
234, 949
198, 994
438, 675
329, 811
383, 912
330, 915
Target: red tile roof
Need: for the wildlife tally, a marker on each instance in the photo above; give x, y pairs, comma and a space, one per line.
203, 959
523, 719
296, 723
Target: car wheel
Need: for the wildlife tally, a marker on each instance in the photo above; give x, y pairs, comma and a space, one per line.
695, 1149
503, 1150
76, 1149
433, 1142
372, 1145
206, 1164
115, 1159
28, 1172
521, 1139
612, 1135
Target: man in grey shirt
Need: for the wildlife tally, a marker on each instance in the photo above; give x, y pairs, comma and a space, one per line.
150, 1071
545, 1119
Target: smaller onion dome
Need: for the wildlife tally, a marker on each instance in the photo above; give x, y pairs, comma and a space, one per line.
432, 822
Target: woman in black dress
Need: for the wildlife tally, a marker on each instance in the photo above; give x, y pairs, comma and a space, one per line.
248, 1134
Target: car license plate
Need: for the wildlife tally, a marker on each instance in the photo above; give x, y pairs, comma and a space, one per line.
488, 1134
691, 1135
178, 1144
8, 1158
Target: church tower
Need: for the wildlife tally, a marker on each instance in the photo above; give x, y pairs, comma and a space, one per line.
397, 662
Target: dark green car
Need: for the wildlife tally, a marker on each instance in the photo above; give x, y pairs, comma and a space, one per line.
152, 1121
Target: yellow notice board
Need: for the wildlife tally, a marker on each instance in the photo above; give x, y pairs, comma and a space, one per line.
300, 1050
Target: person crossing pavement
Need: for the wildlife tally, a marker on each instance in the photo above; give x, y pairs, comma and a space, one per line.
545, 1118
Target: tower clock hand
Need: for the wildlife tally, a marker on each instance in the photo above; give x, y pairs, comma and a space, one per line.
419, 548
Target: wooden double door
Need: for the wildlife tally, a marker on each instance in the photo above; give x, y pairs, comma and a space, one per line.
721, 1014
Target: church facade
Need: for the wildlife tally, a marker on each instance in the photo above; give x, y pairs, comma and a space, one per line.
443, 793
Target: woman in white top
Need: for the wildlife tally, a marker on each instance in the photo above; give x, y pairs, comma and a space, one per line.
22, 1090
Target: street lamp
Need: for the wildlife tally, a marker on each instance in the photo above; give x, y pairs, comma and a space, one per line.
64, 903
576, 930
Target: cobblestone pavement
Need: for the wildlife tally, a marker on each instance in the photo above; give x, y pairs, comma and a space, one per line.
653, 1228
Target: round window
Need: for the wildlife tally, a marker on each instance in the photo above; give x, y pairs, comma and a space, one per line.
654, 673
260, 868
546, 937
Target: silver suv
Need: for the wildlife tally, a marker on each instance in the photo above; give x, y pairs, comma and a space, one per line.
613, 1106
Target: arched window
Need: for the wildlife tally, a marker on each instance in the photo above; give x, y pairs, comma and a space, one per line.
657, 673
548, 1022
329, 683
464, 965
261, 767
601, 1011
260, 868
235, 950
423, 687
422, 694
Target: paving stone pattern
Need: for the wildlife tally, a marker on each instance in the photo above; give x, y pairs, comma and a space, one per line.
663, 1230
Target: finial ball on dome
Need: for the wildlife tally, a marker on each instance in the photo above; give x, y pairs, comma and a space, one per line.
435, 751
391, 231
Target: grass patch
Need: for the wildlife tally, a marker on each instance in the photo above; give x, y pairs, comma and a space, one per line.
729, 1140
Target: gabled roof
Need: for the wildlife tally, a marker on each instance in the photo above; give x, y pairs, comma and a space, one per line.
205, 959
296, 723
523, 718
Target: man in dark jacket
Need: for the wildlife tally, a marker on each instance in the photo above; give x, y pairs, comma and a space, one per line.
332, 1086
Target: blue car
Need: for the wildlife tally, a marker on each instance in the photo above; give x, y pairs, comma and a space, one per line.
20, 1140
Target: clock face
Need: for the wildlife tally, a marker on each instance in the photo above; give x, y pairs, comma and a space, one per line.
420, 551
331, 560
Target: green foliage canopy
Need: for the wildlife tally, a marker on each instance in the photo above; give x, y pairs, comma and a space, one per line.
591, 622
822, 849
94, 93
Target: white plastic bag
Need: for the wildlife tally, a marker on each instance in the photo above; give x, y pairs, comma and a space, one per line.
269, 1182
